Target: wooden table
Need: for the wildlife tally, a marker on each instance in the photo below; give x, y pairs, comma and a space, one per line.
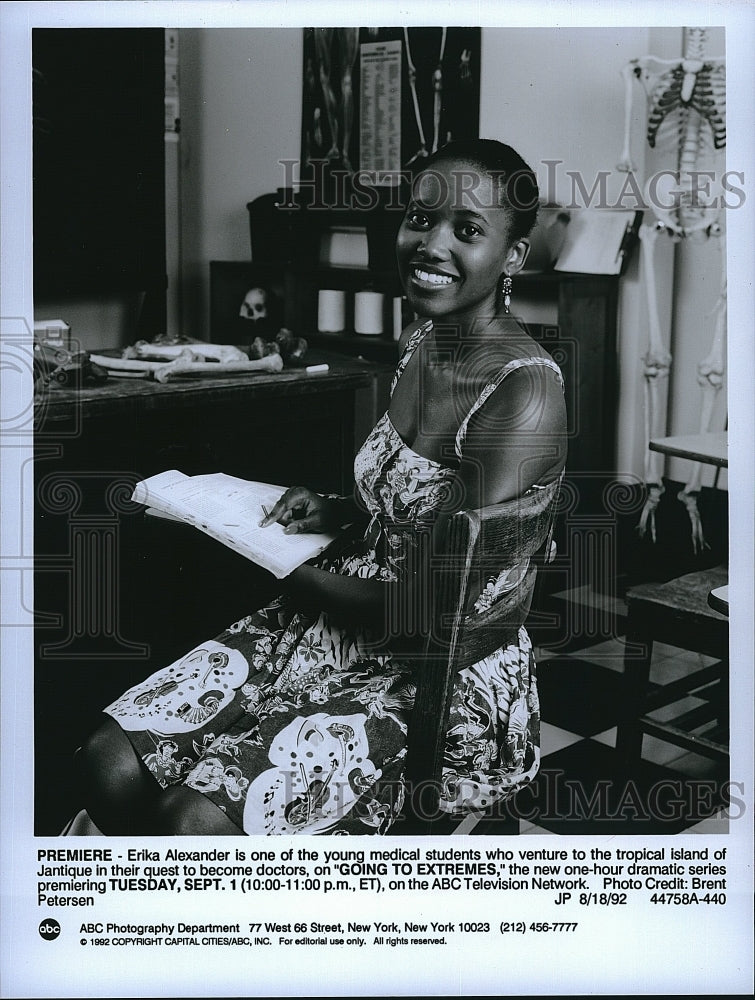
718, 599
96, 558
288, 423
711, 448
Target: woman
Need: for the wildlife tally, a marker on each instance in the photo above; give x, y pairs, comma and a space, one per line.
294, 719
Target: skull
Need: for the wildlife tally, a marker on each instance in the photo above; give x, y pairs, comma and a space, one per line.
254, 306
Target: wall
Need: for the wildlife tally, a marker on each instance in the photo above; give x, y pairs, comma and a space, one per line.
555, 94
107, 321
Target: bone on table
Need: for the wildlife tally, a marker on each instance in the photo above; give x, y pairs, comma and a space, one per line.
271, 363
145, 351
126, 364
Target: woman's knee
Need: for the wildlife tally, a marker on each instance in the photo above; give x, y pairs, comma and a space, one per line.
182, 811
117, 789
106, 758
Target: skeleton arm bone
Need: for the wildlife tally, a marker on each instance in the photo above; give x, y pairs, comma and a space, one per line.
271, 363
710, 372
142, 349
657, 360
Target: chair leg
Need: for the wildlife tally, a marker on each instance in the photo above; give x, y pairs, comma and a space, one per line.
638, 654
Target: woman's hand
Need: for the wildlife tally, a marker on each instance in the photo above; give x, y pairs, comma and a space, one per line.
302, 510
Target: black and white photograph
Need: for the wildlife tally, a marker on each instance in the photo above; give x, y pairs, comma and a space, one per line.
377, 462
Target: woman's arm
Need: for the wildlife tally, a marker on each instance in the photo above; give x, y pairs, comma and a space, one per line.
388, 608
302, 510
517, 439
361, 601
396, 612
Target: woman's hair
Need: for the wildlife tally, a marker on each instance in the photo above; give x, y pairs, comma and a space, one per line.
517, 184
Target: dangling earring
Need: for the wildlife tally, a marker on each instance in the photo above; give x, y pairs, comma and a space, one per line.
506, 286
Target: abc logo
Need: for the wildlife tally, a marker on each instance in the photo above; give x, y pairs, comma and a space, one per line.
49, 929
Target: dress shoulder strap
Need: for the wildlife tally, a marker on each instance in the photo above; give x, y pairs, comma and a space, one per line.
490, 388
412, 344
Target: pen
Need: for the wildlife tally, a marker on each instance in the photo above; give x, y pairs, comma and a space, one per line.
265, 511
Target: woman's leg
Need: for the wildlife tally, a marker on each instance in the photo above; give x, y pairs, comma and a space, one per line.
120, 794
183, 811
123, 798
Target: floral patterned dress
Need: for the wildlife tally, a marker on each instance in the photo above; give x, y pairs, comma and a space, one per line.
292, 723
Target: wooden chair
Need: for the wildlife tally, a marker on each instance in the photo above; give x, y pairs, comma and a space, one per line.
677, 612
479, 543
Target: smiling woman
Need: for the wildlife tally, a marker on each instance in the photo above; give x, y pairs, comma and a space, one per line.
306, 731
461, 235
461, 241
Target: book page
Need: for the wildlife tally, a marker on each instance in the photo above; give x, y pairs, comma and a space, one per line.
160, 491
230, 509
271, 547
219, 501
214, 499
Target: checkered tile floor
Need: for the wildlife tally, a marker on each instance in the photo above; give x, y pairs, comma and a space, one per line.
582, 787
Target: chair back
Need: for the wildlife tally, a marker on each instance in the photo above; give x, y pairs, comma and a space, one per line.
514, 536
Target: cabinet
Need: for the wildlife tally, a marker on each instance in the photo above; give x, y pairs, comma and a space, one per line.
288, 233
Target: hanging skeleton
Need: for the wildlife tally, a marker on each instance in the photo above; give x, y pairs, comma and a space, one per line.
687, 109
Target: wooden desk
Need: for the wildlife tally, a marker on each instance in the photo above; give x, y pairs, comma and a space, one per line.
711, 449
677, 613
265, 426
96, 559
97, 562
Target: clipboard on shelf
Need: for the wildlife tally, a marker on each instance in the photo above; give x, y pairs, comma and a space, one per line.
599, 241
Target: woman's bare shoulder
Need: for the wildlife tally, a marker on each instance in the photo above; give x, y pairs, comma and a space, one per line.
494, 359
519, 389
518, 436
407, 332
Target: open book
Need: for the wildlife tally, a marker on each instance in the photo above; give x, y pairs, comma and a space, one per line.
230, 509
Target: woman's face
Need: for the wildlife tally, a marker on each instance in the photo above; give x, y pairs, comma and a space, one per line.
455, 243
